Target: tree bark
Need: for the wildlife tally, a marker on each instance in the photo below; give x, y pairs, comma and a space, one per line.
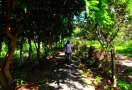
51, 41
38, 47
113, 68
12, 33
30, 48
38, 50
5, 75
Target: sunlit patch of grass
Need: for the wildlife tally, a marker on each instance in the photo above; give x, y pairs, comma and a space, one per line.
124, 48
119, 48
96, 44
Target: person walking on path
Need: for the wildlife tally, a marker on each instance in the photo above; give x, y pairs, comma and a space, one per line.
68, 49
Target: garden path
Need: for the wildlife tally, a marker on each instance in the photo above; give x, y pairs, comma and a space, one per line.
67, 76
123, 63
64, 76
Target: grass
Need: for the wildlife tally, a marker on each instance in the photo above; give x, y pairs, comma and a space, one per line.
96, 44
124, 48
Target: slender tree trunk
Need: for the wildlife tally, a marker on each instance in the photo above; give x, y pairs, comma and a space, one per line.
113, 68
56, 45
51, 41
45, 47
30, 48
38, 50
5, 75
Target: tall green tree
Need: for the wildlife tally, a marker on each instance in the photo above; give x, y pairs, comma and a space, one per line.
12, 31
42, 17
106, 18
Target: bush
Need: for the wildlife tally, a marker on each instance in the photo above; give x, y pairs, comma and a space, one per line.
88, 63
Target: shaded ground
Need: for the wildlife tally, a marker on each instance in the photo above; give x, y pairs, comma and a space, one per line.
64, 76
67, 76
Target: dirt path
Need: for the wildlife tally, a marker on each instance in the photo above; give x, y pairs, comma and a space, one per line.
123, 60
66, 76
122, 63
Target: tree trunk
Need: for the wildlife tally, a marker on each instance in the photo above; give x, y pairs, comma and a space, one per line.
30, 48
51, 41
38, 50
5, 75
113, 67
38, 47
45, 49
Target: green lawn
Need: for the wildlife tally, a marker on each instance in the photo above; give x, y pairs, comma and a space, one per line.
124, 48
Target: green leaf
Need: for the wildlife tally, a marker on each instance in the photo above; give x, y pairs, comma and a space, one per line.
95, 8
95, 2
112, 31
93, 16
87, 7
129, 7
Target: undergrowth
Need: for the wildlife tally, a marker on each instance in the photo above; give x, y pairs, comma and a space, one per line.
123, 84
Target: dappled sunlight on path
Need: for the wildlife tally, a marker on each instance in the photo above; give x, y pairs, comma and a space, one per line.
122, 64
127, 63
62, 76
66, 76
124, 60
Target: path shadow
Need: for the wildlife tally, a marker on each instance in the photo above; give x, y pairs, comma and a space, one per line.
66, 76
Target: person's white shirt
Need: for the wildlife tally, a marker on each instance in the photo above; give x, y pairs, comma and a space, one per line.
68, 48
